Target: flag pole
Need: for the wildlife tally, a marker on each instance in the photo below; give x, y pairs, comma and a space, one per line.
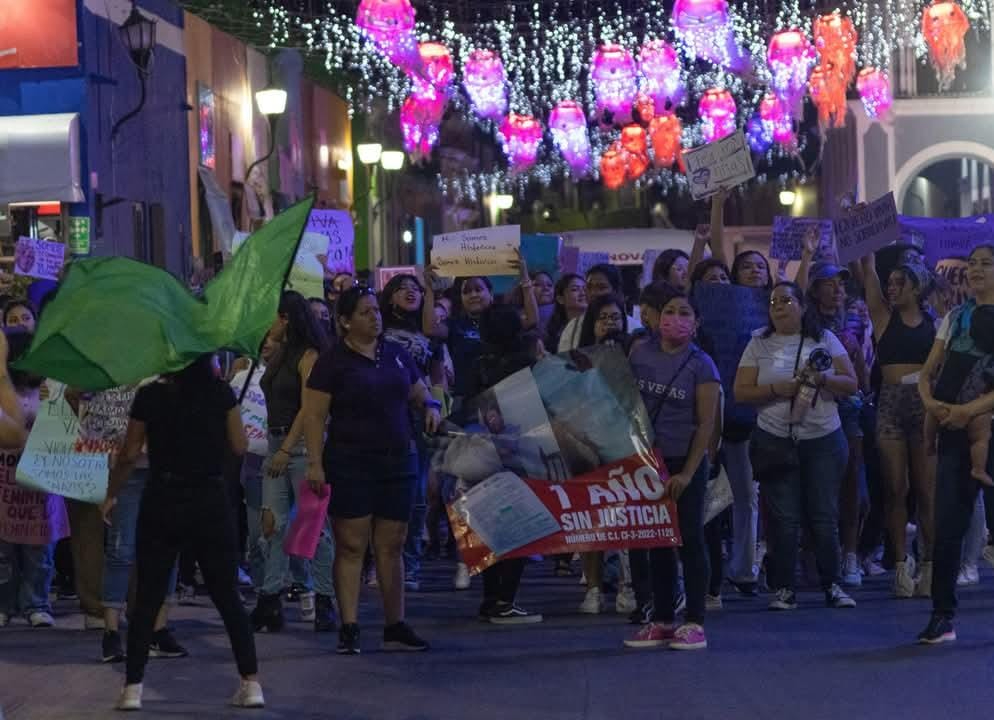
286, 278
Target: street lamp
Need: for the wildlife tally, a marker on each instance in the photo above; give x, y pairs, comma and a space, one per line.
392, 160
787, 197
271, 102
137, 34
369, 153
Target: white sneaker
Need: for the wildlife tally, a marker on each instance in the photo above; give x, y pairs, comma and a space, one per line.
593, 602
131, 697
923, 585
307, 611
851, 575
968, 575
92, 622
461, 580
904, 578
249, 695
871, 568
41, 619
625, 603
988, 555
583, 578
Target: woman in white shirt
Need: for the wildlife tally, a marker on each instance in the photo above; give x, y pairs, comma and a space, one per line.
792, 372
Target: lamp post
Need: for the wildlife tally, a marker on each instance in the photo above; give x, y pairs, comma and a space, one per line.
391, 161
271, 102
137, 34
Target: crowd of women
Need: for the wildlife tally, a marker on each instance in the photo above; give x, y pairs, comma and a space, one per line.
859, 404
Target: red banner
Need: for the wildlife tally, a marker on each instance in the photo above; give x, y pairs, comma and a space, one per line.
615, 507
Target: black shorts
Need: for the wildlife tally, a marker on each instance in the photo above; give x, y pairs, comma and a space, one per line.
371, 483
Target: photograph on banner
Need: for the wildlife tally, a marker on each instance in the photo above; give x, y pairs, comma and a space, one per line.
724, 163
942, 238
52, 461
253, 410
338, 255
954, 271
787, 241
867, 229
307, 274
483, 252
40, 259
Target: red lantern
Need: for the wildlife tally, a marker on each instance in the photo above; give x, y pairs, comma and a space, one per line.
521, 135
666, 132
613, 168
717, 111
633, 139
944, 25
636, 164
835, 39
645, 107
828, 92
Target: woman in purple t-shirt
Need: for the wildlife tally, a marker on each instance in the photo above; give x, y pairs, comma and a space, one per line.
679, 384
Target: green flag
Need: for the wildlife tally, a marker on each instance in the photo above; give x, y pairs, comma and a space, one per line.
115, 321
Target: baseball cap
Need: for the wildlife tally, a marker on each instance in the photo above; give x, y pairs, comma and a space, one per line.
827, 271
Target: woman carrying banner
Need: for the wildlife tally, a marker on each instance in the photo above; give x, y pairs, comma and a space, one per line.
680, 387
905, 334
367, 385
954, 355
188, 420
792, 372
301, 340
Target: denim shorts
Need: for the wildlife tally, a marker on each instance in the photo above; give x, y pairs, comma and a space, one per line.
373, 483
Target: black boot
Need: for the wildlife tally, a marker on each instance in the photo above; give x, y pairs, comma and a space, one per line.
268, 614
324, 614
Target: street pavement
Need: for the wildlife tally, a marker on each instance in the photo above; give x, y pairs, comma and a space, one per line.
810, 664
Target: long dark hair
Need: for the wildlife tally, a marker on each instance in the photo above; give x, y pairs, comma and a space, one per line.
704, 266
303, 330
587, 337
812, 325
18, 342
661, 268
457, 309
191, 380
737, 266
559, 319
394, 317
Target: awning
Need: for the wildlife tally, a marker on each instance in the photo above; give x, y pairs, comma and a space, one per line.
39, 158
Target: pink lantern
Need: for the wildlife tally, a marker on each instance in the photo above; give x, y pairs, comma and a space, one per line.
776, 116
944, 25
661, 75
717, 112
568, 125
483, 78
390, 25
790, 57
420, 118
835, 38
666, 133
827, 88
705, 28
521, 136
615, 83
436, 62
874, 91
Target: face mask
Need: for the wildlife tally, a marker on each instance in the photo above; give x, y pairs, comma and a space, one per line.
676, 329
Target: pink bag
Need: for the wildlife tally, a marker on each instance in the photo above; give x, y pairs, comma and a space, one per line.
304, 532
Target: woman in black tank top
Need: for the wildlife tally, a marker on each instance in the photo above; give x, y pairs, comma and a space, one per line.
905, 334
302, 339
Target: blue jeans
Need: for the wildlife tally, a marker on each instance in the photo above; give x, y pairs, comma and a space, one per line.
25, 578
119, 543
807, 494
279, 497
414, 545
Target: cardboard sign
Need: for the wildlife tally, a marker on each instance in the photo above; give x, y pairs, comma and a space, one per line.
28, 517
943, 238
867, 229
483, 252
253, 410
336, 225
384, 274
787, 241
52, 461
954, 271
720, 164
39, 258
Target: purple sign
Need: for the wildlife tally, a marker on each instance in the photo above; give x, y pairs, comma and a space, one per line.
942, 238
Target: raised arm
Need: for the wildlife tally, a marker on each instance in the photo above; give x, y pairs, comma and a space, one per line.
875, 300
702, 233
528, 301
718, 249
809, 247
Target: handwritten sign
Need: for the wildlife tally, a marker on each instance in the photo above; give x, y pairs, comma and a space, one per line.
866, 230
954, 271
28, 517
51, 461
104, 420
483, 252
253, 411
720, 164
943, 238
337, 226
39, 258
787, 242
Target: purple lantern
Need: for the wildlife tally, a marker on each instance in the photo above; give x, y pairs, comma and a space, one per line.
661, 75
615, 82
483, 78
569, 132
790, 57
705, 28
390, 25
874, 91
717, 112
759, 133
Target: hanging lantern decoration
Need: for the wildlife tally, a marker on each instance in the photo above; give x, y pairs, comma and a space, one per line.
568, 126
790, 57
613, 168
759, 134
484, 80
662, 79
521, 136
828, 93
666, 133
645, 109
944, 25
633, 139
615, 82
777, 116
717, 112
390, 25
420, 119
436, 63
874, 91
835, 39
635, 165
705, 28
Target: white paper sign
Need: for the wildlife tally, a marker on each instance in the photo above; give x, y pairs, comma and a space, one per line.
253, 410
867, 229
482, 252
723, 163
39, 258
336, 225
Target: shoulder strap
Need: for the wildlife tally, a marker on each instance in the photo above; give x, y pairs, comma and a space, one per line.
669, 385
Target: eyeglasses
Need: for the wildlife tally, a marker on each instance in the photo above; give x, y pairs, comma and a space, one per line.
782, 300
612, 318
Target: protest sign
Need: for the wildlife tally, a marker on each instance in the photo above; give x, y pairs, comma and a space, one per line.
484, 252
569, 259
723, 163
942, 238
104, 419
253, 410
541, 252
867, 229
787, 241
39, 258
54, 460
336, 225
954, 271
385, 274
589, 259
28, 517
307, 274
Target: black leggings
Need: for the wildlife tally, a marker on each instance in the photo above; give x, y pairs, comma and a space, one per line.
194, 515
501, 581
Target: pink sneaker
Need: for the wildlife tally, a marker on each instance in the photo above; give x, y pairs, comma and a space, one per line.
651, 635
689, 637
